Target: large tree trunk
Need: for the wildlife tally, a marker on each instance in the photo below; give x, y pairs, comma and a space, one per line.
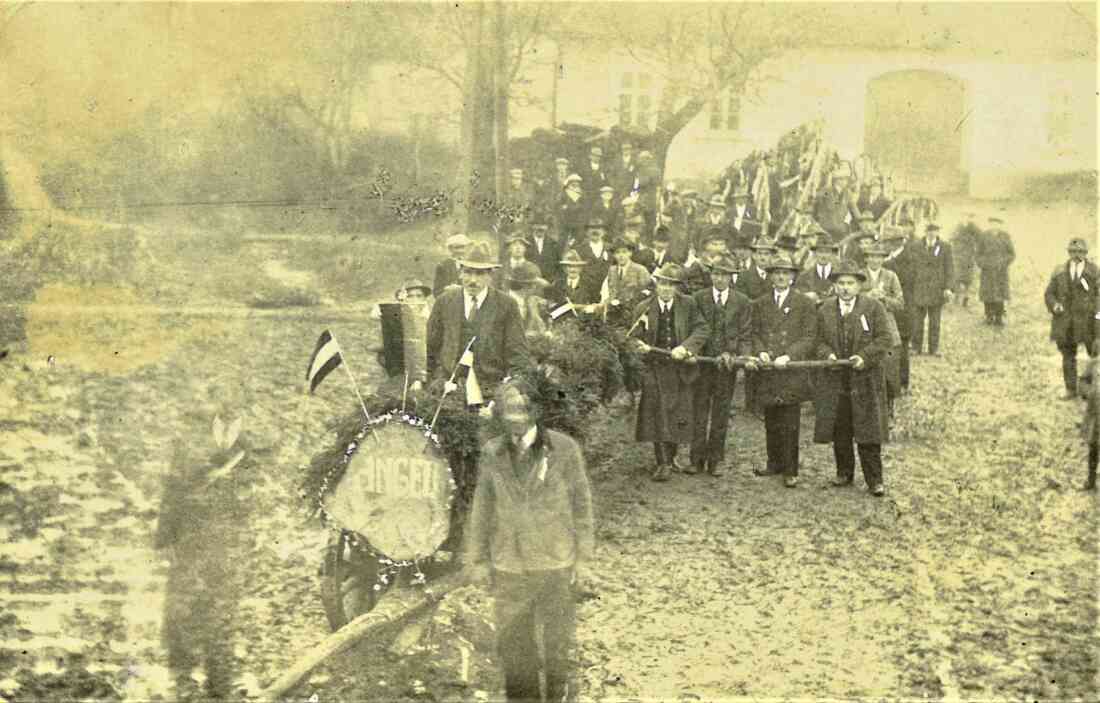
500, 116
463, 213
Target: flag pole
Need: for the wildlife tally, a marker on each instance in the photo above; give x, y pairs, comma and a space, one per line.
451, 380
354, 385
405, 392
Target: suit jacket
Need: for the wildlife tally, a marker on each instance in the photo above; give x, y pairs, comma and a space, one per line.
612, 216
559, 292
572, 218
933, 272
501, 347
595, 272
626, 289
888, 284
867, 329
691, 329
669, 257
810, 282
1075, 324
791, 331
730, 324
548, 259
645, 257
752, 285
446, 274
622, 178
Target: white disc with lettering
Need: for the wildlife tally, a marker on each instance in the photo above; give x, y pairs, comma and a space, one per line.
396, 492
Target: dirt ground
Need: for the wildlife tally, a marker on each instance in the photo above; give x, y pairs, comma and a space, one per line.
975, 578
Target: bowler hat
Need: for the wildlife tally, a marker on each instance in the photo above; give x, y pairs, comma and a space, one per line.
724, 263
458, 240
513, 238
573, 178
711, 233
741, 242
561, 160
597, 149
1077, 243
527, 274
847, 268
670, 272
572, 258
782, 263
413, 284
478, 258
607, 189
516, 172
786, 242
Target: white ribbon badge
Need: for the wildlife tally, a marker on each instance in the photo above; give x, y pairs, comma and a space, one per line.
1084, 283
863, 321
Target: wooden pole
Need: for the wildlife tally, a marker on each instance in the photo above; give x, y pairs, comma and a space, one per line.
398, 605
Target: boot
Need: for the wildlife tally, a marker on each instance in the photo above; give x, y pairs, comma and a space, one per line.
1094, 459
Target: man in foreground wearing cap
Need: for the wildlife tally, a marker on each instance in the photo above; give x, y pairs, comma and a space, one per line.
541, 249
446, 273
966, 240
835, 208
817, 283
476, 309
669, 322
850, 404
784, 329
994, 254
1071, 298
729, 318
933, 283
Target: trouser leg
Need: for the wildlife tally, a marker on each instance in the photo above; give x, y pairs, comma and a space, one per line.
1094, 458
702, 404
843, 451
934, 328
773, 438
919, 313
870, 459
903, 363
1069, 366
558, 614
720, 410
519, 656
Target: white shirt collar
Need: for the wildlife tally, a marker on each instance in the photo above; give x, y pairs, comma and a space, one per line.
846, 307
665, 307
720, 295
478, 301
781, 295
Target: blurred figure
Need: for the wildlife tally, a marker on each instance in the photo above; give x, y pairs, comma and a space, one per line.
526, 287
966, 240
204, 528
531, 533
446, 273
1090, 428
543, 249
994, 254
1071, 298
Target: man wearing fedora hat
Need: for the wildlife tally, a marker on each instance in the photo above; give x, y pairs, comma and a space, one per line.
728, 317
784, 328
668, 321
817, 283
446, 272
569, 287
851, 404
835, 208
607, 209
541, 248
754, 281
933, 271
1071, 298
476, 309
994, 254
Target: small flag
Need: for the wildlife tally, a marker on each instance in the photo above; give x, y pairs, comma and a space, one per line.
936, 251
326, 358
473, 388
561, 310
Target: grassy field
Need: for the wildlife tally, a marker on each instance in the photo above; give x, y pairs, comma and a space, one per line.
975, 578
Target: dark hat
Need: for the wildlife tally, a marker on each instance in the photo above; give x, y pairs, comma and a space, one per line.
726, 264
876, 250
847, 268
825, 244
513, 238
478, 258
663, 234
412, 284
526, 273
782, 263
1078, 243
932, 226
711, 233
539, 218
596, 223
787, 242
621, 243
741, 242
572, 258
670, 272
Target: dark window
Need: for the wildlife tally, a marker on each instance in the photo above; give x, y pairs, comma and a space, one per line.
624, 110
642, 118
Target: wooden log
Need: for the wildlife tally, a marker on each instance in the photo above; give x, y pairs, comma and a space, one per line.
396, 606
741, 361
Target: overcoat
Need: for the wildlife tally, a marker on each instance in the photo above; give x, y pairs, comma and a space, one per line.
500, 347
1075, 324
446, 274
867, 327
752, 284
966, 241
730, 325
901, 267
792, 331
994, 255
893, 299
547, 259
809, 281
665, 411
933, 272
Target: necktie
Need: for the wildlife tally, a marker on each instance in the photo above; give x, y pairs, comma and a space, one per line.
1076, 271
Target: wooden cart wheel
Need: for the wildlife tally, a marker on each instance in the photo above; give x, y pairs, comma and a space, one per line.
347, 582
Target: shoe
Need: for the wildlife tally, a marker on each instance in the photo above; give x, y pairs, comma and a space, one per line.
660, 474
878, 490
790, 481
715, 470
766, 472
679, 464
694, 468
840, 482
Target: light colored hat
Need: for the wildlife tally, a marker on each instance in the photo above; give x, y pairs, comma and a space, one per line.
572, 258
458, 240
573, 178
670, 272
607, 189
597, 149
1078, 243
516, 172
561, 160
782, 263
478, 258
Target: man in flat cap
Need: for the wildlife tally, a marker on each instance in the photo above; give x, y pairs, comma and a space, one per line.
728, 315
933, 284
850, 404
993, 256
668, 330
784, 329
1071, 298
446, 272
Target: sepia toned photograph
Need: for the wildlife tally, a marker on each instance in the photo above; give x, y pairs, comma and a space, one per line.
480, 351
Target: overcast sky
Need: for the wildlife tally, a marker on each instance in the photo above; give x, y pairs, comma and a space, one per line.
94, 67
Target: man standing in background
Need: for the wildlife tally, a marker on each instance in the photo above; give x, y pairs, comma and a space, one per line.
1071, 299
994, 254
933, 280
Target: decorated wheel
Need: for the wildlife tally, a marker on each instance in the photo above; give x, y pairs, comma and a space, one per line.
388, 501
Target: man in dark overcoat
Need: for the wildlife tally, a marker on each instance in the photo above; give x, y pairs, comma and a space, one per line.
754, 281
851, 404
670, 322
966, 241
784, 328
729, 317
542, 249
817, 283
476, 309
898, 261
995, 253
1071, 299
933, 271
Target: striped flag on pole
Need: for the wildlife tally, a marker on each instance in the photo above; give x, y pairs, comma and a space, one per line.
473, 388
561, 310
326, 358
